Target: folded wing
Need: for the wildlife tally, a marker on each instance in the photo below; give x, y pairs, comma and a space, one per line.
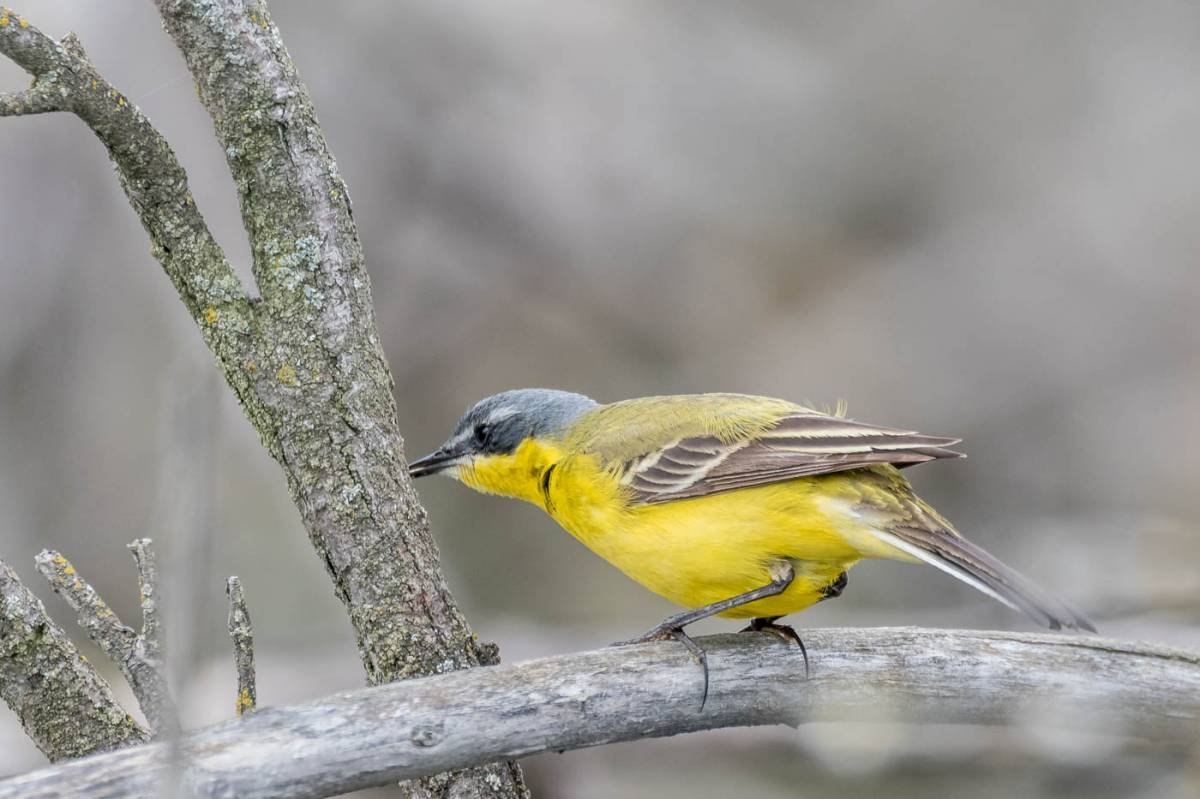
800, 445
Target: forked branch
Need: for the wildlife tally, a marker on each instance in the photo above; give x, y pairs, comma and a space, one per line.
138, 655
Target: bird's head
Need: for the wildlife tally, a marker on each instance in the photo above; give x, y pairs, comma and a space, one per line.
496, 427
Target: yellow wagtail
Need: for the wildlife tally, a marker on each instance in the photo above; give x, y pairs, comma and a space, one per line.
746, 507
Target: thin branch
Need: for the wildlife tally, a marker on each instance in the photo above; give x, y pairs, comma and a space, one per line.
37, 99
139, 658
408, 729
95, 616
146, 666
242, 634
147, 571
65, 707
64, 79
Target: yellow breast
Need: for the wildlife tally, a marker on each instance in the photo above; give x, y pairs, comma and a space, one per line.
692, 551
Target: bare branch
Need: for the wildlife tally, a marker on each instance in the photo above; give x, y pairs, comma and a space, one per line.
408, 729
65, 707
37, 99
95, 616
146, 665
147, 569
64, 79
331, 422
294, 204
306, 363
242, 634
139, 659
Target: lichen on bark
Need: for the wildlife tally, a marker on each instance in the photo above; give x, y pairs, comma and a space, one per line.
64, 706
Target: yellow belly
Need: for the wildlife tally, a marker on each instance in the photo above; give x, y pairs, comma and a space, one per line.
702, 550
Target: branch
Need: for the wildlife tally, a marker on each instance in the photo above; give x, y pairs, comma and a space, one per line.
306, 363
150, 174
321, 373
37, 99
378, 735
139, 656
63, 704
242, 634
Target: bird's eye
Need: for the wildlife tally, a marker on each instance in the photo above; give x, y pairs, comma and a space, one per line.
481, 433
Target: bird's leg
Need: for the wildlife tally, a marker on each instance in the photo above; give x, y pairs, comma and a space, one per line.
671, 624
671, 628
788, 633
784, 631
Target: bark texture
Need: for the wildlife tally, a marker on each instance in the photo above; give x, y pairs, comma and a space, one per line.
1036, 682
242, 634
65, 707
304, 360
138, 655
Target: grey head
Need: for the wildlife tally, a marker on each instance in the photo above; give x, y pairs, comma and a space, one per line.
497, 424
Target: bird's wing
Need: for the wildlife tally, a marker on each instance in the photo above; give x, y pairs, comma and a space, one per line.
801, 443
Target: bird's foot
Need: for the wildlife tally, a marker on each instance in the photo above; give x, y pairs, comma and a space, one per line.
783, 631
667, 632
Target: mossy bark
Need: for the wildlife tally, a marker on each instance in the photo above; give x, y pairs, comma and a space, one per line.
63, 704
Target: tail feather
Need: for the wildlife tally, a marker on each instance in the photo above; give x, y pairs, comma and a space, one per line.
953, 554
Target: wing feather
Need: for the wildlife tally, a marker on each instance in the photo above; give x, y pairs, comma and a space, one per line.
800, 444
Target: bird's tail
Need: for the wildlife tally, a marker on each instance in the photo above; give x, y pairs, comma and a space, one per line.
911, 530
973, 565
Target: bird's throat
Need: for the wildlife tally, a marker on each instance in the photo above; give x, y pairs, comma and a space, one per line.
520, 474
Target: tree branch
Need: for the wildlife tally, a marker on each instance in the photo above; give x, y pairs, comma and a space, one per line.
306, 363
242, 634
319, 370
37, 99
139, 656
65, 707
375, 736
150, 174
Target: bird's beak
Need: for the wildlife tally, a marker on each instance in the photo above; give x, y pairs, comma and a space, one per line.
432, 463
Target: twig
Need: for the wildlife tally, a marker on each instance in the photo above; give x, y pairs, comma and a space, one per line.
243, 646
147, 570
65, 707
37, 99
139, 656
375, 736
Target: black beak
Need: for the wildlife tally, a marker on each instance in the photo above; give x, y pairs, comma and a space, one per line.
432, 463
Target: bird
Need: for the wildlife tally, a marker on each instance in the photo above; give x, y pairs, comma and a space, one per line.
734, 505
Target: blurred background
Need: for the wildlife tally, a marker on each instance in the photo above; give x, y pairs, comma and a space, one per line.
966, 218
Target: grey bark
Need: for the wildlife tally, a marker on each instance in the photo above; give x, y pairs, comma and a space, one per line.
304, 361
378, 735
65, 707
242, 634
138, 655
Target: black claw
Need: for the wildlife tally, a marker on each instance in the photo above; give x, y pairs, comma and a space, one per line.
700, 655
672, 627
784, 631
